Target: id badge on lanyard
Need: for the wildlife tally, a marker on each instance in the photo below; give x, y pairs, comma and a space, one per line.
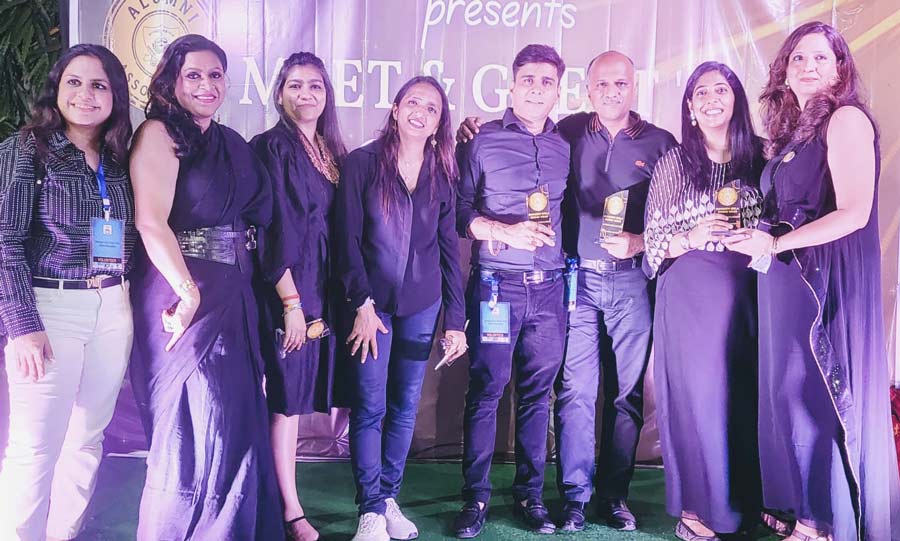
494, 317
107, 234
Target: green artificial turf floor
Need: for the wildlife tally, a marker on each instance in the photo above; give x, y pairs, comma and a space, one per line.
430, 497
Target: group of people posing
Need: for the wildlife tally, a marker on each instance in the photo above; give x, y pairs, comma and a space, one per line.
208, 265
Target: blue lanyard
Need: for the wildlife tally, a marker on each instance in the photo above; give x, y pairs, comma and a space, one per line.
101, 183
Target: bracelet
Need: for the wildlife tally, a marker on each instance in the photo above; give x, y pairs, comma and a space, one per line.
289, 297
186, 286
368, 301
774, 250
292, 307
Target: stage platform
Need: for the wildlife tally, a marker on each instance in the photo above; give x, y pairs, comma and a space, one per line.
430, 497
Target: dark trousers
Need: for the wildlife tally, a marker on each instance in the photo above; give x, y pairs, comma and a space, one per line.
613, 309
537, 336
386, 392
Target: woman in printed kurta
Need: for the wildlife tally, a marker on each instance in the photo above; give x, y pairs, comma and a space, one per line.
705, 321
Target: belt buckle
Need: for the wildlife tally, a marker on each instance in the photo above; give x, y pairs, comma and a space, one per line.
533, 277
94, 282
251, 238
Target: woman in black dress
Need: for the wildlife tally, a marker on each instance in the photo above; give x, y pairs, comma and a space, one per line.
705, 320
826, 452
301, 153
195, 366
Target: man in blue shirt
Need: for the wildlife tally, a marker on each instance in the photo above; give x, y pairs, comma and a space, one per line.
512, 180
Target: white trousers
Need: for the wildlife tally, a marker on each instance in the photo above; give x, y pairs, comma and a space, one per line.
56, 424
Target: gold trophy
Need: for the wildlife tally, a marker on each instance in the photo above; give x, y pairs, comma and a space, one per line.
538, 203
728, 204
614, 214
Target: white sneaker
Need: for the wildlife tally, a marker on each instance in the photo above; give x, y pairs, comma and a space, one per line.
371, 528
398, 526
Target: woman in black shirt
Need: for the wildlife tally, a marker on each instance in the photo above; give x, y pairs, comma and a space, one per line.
395, 233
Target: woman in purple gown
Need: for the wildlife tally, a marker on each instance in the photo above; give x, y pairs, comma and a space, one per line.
195, 365
826, 452
705, 321
301, 153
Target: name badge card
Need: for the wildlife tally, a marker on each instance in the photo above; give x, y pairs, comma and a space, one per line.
614, 214
107, 245
538, 203
728, 204
494, 323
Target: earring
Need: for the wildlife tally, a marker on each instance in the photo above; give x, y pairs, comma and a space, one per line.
787, 84
693, 118
433, 141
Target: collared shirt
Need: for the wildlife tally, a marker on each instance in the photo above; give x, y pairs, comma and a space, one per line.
601, 166
499, 169
405, 260
45, 223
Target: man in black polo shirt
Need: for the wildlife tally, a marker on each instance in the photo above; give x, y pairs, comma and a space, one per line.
612, 150
512, 180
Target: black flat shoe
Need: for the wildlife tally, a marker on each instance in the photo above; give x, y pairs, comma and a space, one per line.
683, 531
470, 520
535, 516
617, 514
572, 517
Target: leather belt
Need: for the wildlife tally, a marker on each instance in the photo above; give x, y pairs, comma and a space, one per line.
94, 282
527, 278
610, 265
218, 243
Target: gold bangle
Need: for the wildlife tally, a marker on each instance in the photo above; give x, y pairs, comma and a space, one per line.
187, 286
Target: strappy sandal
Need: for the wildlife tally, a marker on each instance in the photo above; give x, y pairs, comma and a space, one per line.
683, 531
294, 530
800, 536
776, 525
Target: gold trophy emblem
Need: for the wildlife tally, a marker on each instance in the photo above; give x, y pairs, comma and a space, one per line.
538, 203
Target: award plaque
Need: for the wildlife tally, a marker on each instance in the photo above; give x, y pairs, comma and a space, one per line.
614, 214
728, 204
538, 203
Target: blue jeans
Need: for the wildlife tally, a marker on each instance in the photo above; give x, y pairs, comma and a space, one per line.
386, 392
537, 337
611, 325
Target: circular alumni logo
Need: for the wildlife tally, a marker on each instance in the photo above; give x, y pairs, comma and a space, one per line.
727, 196
537, 201
615, 205
138, 32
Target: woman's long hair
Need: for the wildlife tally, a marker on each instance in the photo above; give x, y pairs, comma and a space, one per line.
743, 144
47, 119
441, 160
162, 104
782, 118
327, 126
